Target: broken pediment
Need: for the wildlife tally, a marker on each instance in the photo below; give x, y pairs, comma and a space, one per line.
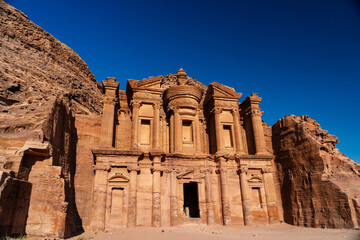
218, 90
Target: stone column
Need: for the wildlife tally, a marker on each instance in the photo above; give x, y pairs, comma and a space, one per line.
131, 221
218, 130
260, 143
107, 123
197, 132
173, 197
238, 142
177, 130
245, 195
99, 197
156, 207
270, 195
208, 196
172, 134
156, 127
135, 123
108, 116
224, 192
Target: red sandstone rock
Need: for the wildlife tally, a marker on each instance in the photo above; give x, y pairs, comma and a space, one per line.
43, 83
319, 185
123, 166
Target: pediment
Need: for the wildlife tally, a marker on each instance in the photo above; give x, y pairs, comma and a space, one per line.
151, 82
190, 174
118, 177
220, 90
255, 180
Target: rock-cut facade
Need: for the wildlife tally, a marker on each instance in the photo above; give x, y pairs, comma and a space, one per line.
172, 151
77, 155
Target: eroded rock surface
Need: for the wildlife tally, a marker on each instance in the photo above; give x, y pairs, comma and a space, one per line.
43, 83
319, 185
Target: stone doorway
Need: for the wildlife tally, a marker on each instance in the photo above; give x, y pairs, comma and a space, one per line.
191, 200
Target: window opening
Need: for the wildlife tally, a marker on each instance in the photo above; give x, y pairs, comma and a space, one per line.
145, 132
227, 136
187, 131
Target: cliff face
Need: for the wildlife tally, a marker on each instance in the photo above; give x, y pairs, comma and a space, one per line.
43, 84
319, 185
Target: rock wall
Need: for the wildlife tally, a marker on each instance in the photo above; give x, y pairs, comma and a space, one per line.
43, 84
14, 203
319, 185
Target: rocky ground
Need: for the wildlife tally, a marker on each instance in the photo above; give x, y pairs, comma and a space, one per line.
274, 232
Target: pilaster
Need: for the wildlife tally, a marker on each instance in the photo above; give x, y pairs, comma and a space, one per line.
131, 222
224, 191
135, 123
108, 115
208, 196
270, 195
99, 197
238, 142
156, 126
245, 195
218, 130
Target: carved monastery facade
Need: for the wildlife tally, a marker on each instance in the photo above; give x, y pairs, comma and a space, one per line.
172, 151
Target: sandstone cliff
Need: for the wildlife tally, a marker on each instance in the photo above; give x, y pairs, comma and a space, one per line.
319, 185
43, 84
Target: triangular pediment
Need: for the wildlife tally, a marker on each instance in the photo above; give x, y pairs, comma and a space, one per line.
151, 82
220, 90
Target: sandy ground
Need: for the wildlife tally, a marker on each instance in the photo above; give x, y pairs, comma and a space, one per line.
273, 232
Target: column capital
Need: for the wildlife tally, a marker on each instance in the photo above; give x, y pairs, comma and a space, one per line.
216, 110
221, 170
101, 167
156, 105
243, 170
110, 99
156, 169
135, 103
133, 168
235, 112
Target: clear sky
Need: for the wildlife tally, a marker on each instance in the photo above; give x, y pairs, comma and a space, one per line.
301, 56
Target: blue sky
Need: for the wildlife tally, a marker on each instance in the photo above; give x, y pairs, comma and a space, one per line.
301, 56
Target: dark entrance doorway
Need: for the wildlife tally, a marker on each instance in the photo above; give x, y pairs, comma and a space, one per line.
191, 199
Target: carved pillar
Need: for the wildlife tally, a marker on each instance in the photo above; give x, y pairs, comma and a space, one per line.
134, 124
218, 130
173, 197
208, 196
197, 132
172, 134
131, 221
258, 129
270, 195
99, 198
245, 195
156, 126
156, 207
177, 130
238, 142
108, 116
224, 192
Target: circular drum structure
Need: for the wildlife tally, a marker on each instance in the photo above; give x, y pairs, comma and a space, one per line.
183, 96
